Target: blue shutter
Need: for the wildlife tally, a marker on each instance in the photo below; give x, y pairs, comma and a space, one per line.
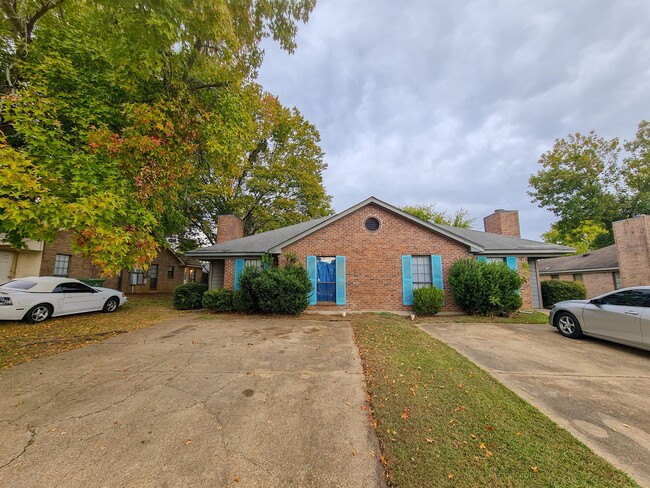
482, 259
436, 271
340, 280
407, 281
511, 261
239, 269
313, 277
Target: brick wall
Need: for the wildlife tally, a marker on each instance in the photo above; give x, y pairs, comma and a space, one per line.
81, 267
229, 227
78, 266
633, 247
504, 222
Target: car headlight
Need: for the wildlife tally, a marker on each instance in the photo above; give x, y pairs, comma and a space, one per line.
5, 301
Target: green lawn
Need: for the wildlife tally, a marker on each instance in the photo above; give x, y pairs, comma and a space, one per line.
516, 318
21, 342
442, 421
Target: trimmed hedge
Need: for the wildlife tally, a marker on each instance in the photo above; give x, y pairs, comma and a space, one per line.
218, 300
428, 300
554, 291
188, 296
274, 290
481, 288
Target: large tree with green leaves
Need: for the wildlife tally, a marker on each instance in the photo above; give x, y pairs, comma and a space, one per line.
116, 114
588, 182
428, 212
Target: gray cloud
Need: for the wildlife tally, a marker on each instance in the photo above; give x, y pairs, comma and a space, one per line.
452, 103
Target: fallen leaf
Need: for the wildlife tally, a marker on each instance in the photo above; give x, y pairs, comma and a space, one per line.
236, 479
188, 442
405, 415
481, 446
428, 440
489, 453
383, 461
450, 475
534, 469
489, 427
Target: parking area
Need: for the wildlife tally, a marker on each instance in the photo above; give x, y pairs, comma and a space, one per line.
595, 389
194, 402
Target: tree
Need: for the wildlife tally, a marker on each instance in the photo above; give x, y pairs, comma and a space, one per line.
101, 128
584, 182
427, 212
584, 238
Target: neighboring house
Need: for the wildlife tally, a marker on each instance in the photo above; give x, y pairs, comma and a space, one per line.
373, 255
598, 270
625, 263
165, 272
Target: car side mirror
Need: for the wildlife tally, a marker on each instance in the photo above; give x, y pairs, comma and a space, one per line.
596, 301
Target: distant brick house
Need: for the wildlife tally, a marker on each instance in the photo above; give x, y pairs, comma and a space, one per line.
165, 272
625, 263
373, 255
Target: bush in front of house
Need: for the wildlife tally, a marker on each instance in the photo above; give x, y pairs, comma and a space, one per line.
188, 296
428, 300
554, 291
481, 288
239, 301
275, 290
218, 300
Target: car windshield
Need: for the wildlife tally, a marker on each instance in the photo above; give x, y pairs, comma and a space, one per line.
18, 285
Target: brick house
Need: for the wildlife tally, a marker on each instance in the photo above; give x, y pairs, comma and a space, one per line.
165, 272
372, 255
625, 263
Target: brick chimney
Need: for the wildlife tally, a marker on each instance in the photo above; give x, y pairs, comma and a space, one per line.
632, 238
229, 227
504, 222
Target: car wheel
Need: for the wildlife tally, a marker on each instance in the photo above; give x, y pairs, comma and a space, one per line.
38, 313
568, 325
111, 305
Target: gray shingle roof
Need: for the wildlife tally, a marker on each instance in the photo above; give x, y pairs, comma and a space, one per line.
479, 242
258, 243
605, 259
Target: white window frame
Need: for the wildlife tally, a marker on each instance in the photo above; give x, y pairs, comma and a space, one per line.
61, 265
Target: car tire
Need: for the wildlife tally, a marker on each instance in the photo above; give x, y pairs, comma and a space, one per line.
568, 325
38, 313
111, 305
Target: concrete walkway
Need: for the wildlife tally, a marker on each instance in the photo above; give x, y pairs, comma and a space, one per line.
193, 402
596, 390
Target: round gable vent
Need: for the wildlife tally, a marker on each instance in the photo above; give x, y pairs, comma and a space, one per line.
372, 224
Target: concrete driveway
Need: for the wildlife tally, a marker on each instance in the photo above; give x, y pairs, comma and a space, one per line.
597, 390
193, 402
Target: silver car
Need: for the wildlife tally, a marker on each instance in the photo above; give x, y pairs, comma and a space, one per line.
621, 316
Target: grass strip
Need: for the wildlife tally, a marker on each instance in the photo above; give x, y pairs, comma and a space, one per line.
21, 342
442, 421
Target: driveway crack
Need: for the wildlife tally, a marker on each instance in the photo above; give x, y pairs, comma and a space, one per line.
30, 441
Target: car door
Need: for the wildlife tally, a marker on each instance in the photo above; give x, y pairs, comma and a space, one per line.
645, 322
78, 297
617, 316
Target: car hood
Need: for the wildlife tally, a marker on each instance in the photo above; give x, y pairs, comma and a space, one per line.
572, 302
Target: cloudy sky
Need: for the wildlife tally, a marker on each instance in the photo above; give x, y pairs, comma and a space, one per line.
452, 102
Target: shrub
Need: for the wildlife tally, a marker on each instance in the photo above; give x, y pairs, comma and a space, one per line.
218, 300
239, 301
485, 288
188, 296
273, 290
554, 291
428, 300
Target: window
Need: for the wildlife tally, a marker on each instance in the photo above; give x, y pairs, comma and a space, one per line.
577, 277
75, 288
61, 263
326, 275
421, 271
153, 276
137, 277
192, 275
372, 224
170, 272
255, 263
496, 260
628, 298
617, 280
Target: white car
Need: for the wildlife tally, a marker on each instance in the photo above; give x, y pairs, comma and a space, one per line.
37, 298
